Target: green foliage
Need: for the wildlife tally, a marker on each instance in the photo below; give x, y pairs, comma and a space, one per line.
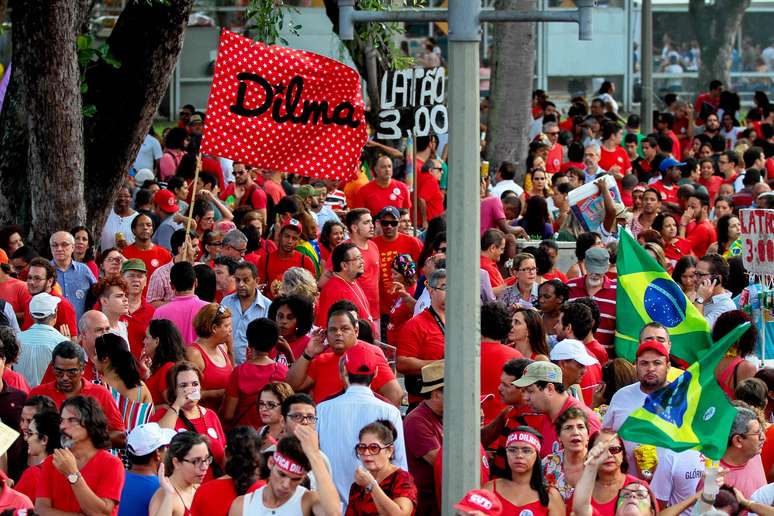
268, 17
88, 57
382, 36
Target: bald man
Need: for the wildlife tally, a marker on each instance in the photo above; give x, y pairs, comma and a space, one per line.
75, 278
93, 324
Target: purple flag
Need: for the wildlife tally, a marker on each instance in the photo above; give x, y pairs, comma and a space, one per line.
4, 85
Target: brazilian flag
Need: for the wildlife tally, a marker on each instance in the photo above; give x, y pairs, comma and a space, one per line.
646, 293
692, 412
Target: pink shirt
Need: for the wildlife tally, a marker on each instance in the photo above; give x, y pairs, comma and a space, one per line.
491, 212
747, 478
181, 311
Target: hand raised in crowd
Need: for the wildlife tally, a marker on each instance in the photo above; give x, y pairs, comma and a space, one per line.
316, 343
307, 436
600, 452
64, 461
164, 481
284, 348
363, 477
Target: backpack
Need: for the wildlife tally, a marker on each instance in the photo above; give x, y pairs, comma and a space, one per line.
3, 318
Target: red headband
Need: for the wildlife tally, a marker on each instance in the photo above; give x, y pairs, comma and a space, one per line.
288, 465
524, 437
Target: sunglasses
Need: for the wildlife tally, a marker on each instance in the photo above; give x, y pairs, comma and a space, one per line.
391, 223
615, 450
372, 448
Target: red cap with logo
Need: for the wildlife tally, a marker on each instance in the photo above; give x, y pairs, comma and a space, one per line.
480, 500
166, 201
360, 360
652, 345
292, 224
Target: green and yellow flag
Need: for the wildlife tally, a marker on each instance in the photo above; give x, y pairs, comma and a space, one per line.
646, 293
692, 412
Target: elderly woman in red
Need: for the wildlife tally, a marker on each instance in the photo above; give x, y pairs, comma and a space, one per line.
526, 490
380, 486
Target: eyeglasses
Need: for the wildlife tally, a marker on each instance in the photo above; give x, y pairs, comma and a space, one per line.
271, 405
528, 269
216, 244
759, 433
636, 495
372, 449
439, 169
513, 450
116, 259
697, 273
391, 223
69, 372
615, 450
441, 288
303, 418
199, 461
553, 133
240, 251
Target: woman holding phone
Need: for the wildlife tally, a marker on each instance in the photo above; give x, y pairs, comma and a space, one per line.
185, 413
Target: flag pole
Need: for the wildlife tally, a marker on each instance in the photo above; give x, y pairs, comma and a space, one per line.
193, 199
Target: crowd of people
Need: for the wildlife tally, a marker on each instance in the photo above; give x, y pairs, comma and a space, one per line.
244, 341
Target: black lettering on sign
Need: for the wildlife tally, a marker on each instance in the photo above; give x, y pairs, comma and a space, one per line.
281, 112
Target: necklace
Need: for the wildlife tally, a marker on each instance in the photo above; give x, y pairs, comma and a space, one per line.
187, 509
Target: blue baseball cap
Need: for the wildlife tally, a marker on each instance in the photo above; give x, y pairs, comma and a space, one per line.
669, 163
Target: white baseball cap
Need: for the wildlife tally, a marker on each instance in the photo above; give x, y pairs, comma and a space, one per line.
43, 305
571, 349
147, 438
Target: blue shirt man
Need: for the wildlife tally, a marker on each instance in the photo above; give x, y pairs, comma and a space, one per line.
245, 305
75, 278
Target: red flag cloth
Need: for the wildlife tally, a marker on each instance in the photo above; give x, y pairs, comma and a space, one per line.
284, 109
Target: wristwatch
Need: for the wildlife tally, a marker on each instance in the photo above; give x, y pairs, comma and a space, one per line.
73, 477
699, 300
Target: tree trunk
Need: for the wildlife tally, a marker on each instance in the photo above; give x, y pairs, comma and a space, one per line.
47, 152
42, 128
513, 65
716, 26
147, 39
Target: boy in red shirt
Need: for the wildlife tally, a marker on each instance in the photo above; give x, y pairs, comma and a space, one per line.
272, 266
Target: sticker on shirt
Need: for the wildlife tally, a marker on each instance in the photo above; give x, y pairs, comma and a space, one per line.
556, 162
154, 262
80, 294
212, 433
392, 197
396, 191
526, 512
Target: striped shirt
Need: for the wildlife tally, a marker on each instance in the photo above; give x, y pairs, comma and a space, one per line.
160, 286
37, 344
605, 300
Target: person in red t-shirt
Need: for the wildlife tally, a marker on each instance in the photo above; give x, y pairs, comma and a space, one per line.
140, 311
317, 369
613, 157
154, 256
708, 180
272, 185
14, 291
361, 233
82, 476
711, 99
422, 341
492, 247
383, 190
556, 152
695, 225
243, 191
391, 244
347, 263
495, 326
272, 267
41, 278
429, 194
667, 185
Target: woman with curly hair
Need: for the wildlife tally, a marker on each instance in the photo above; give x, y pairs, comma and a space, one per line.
404, 284
332, 234
243, 461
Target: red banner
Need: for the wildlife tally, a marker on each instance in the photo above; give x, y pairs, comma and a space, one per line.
284, 109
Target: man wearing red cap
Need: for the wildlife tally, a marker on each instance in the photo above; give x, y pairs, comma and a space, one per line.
272, 266
340, 419
166, 207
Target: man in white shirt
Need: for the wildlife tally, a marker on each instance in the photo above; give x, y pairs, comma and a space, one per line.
38, 342
149, 154
712, 299
504, 177
340, 419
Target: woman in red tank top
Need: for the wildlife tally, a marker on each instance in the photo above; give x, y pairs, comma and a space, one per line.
526, 490
604, 488
211, 352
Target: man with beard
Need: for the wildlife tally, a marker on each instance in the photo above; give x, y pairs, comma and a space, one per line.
383, 190
391, 243
596, 285
272, 266
140, 311
243, 191
67, 364
82, 476
348, 266
41, 279
152, 255
117, 229
245, 305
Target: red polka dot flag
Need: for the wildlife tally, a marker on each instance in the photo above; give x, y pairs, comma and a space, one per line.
284, 109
